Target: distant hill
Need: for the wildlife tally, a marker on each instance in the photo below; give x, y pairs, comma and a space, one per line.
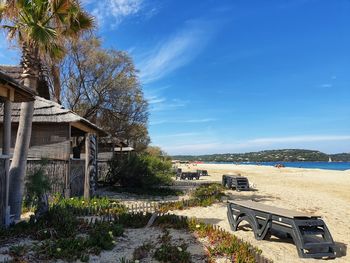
285, 155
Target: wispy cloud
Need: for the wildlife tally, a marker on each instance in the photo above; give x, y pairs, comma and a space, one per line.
178, 135
307, 138
217, 146
168, 104
115, 11
155, 100
175, 51
326, 85
203, 120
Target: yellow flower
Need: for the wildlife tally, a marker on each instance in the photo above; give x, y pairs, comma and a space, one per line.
110, 233
95, 203
198, 226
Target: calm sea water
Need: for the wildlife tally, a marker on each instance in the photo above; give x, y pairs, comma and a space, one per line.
312, 165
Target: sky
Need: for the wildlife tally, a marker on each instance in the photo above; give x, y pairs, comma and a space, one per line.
235, 75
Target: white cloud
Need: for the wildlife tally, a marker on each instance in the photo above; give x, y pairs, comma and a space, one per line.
175, 52
168, 104
204, 120
307, 138
326, 85
335, 143
155, 100
115, 10
178, 135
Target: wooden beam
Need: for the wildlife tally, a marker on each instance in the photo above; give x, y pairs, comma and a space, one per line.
83, 127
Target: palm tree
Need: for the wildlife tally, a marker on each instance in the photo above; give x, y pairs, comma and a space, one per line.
40, 28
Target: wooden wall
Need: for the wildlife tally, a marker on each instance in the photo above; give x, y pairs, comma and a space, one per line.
2, 192
49, 140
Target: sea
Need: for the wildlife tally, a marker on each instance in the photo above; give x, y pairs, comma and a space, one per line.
341, 166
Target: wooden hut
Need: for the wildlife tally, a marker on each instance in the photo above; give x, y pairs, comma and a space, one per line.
55, 132
10, 91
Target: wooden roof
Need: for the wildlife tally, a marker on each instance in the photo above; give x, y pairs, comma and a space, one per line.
47, 111
11, 89
271, 209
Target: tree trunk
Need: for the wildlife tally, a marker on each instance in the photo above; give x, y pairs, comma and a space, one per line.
31, 67
55, 71
19, 161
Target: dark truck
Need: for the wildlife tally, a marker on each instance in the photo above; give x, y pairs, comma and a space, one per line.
235, 182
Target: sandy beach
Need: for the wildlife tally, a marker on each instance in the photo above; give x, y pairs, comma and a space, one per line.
325, 193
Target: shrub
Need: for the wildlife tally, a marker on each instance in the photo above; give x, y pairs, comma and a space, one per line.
141, 171
214, 191
96, 206
37, 187
204, 195
70, 249
142, 251
59, 219
154, 191
169, 253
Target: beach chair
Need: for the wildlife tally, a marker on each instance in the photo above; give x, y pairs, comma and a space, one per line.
189, 176
309, 233
237, 182
202, 172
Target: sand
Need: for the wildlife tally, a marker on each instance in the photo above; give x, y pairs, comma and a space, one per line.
324, 193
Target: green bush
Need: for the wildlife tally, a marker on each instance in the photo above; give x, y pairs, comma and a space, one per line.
168, 253
58, 221
37, 187
210, 191
71, 249
139, 171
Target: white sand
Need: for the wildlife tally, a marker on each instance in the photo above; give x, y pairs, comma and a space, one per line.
320, 192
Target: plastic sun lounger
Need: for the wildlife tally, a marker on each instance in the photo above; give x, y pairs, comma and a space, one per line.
189, 175
310, 234
236, 182
202, 172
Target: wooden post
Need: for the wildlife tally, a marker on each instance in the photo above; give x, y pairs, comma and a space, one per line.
90, 165
87, 167
6, 139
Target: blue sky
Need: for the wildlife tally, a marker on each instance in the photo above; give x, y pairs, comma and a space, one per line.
236, 75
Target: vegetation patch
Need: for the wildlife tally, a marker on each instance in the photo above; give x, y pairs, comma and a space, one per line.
204, 195
63, 234
169, 253
153, 191
140, 171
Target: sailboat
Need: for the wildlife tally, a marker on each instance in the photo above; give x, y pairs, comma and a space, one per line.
330, 160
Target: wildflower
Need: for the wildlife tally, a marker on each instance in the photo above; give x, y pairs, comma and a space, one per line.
59, 249
198, 226
45, 231
113, 242
72, 198
179, 248
110, 233
137, 261
82, 202
114, 203
95, 203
